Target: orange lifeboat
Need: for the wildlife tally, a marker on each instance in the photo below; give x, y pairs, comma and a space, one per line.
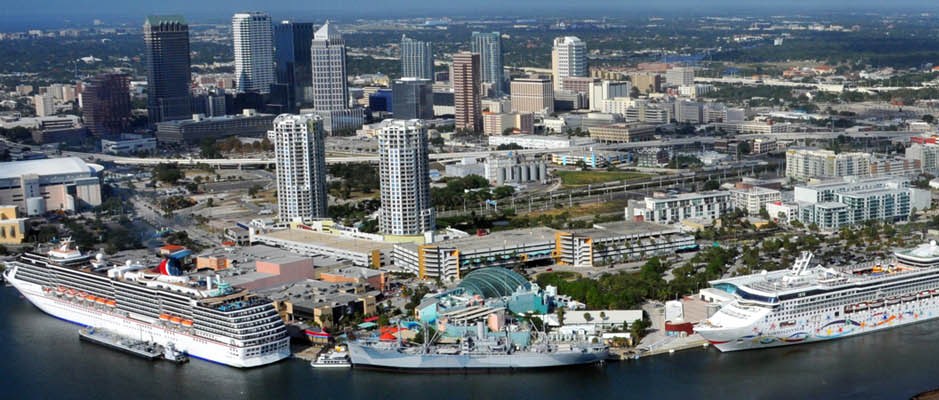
165, 317
176, 320
90, 298
101, 300
112, 303
187, 322
60, 289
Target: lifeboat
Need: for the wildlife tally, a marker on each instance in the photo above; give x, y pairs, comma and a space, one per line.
165, 317
112, 303
176, 320
90, 298
101, 300
60, 289
187, 322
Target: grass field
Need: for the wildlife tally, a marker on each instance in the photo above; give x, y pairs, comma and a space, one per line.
584, 178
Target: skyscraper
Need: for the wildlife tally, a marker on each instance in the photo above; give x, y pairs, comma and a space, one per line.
168, 68
254, 61
106, 104
412, 98
489, 48
405, 181
292, 41
568, 59
466, 102
330, 89
417, 59
301, 166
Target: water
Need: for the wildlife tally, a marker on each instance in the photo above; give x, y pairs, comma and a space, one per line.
41, 357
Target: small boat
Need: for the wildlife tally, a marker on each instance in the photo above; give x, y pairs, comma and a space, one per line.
101, 300
336, 358
164, 317
187, 322
112, 303
176, 320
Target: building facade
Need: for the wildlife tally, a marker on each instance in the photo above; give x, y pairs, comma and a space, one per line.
168, 68
622, 133
106, 104
38, 186
670, 209
466, 86
301, 166
514, 123
404, 179
531, 95
754, 198
810, 163
489, 47
851, 201
680, 76
254, 58
292, 69
568, 59
417, 59
330, 89
412, 98
199, 128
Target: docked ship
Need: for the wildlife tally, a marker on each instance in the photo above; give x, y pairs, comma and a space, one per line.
807, 303
474, 352
203, 317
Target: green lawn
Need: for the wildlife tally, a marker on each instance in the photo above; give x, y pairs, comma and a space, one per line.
584, 178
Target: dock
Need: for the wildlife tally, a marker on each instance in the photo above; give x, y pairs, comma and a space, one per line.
309, 353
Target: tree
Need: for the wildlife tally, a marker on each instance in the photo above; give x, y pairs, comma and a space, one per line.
560, 313
928, 118
712, 185
588, 317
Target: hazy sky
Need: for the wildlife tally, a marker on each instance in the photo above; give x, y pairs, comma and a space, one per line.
435, 7
18, 15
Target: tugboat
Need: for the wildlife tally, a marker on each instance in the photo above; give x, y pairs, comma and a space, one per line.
338, 357
171, 354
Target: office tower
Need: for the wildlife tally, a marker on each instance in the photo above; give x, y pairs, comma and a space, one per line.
489, 48
417, 59
568, 59
106, 104
168, 68
292, 41
44, 105
680, 76
254, 59
405, 181
465, 78
301, 166
531, 95
330, 89
412, 98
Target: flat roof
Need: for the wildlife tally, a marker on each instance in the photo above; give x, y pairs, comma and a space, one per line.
626, 228
46, 166
502, 239
327, 240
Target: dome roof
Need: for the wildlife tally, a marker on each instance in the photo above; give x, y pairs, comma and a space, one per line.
493, 282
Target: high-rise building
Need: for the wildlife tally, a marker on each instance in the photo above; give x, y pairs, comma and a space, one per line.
412, 98
417, 59
466, 104
403, 168
168, 68
106, 104
489, 47
532, 95
44, 105
568, 59
292, 41
330, 89
301, 166
680, 76
254, 59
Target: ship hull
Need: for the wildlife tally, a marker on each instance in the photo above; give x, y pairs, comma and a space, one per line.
195, 346
819, 328
370, 357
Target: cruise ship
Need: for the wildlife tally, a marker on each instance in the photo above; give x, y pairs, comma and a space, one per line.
204, 317
809, 303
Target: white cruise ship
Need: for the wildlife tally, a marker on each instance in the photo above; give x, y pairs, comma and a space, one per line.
807, 303
205, 318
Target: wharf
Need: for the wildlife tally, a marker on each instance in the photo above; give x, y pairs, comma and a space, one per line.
309, 353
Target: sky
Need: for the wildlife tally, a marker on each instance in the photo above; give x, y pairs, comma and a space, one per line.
54, 11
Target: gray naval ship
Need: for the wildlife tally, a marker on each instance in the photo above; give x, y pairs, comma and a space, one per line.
474, 352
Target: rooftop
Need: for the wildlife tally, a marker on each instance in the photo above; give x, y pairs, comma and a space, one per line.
327, 240
49, 166
626, 228
501, 239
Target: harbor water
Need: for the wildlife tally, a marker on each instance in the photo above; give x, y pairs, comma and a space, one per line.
41, 357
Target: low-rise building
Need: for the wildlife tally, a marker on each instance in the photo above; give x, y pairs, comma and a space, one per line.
514, 123
38, 186
622, 133
361, 250
754, 198
199, 128
12, 227
669, 209
537, 141
128, 145
763, 146
323, 303
833, 204
519, 169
